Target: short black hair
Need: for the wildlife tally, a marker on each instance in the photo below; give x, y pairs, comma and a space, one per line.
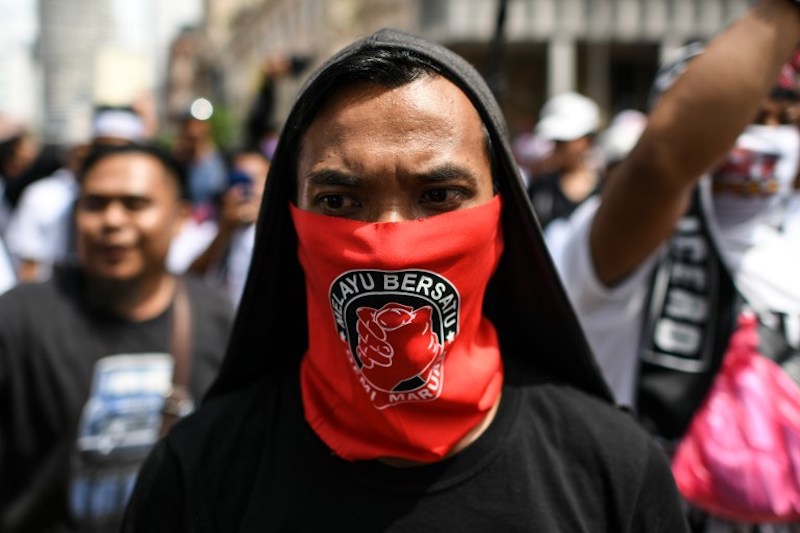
100, 152
386, 67
380, 66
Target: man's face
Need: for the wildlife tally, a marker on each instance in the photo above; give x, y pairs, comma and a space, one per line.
774, 112
382, 154
256, 166
572, 153
128, 211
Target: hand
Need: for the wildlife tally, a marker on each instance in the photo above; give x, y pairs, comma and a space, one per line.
239, 208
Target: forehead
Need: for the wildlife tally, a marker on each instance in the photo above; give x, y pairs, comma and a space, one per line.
431, 110
128, 174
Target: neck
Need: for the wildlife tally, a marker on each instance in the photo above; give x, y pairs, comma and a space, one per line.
134, 299
578, 183
468, 439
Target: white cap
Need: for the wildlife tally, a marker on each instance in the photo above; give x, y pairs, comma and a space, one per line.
622, 134
568, 116
119, 124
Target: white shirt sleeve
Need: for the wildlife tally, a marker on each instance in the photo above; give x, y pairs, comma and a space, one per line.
7, 277
610, 316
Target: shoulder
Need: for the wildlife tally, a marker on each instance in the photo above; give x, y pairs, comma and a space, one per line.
232, 425
206, 468
598, 453
29, 296
208, 299
544, 181
59, 188
570, 248
582, 425
600, 444
198, 288
587, 412
29, 312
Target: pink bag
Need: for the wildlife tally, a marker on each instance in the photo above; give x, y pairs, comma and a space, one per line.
740, 458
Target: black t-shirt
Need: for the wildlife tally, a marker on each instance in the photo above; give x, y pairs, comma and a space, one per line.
548, 199
552, 460
75, 419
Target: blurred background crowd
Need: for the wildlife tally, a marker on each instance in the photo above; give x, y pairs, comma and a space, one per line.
212, 80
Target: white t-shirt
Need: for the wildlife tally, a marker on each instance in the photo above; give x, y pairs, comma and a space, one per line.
238, 263
611, 317
7, 277
196, 237
189, 243
39, 228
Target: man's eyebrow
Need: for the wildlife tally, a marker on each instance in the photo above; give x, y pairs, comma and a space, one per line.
442, 173
447, 172
331, 177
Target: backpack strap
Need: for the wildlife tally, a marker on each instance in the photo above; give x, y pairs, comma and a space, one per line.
178, 401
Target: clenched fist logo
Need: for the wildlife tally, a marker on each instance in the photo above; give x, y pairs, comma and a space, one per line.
396, 343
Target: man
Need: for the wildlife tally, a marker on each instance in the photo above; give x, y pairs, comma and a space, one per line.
17, 153
261, 125
197, 150
570, 122
23, 160
39, 233
88, 357
226, 259
615, 142
657, 268
393, 366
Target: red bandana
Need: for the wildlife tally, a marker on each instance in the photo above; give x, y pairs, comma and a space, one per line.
401, 362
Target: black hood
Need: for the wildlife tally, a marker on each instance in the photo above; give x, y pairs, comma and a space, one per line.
539, 334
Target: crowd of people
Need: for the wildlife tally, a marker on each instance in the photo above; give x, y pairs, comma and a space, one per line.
384, 315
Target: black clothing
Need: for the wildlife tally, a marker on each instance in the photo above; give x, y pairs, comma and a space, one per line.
51, 347
554, 459
548, 199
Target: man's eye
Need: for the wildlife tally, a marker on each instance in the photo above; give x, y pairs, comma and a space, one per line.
332, 201
91, 203
439, 196
336, 204
136, 204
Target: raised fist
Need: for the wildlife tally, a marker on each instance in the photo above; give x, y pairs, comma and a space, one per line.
395, 343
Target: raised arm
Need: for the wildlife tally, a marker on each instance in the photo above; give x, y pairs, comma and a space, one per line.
691, 127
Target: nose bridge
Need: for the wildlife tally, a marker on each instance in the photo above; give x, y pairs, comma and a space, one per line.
391, 214
114, 213
392, 211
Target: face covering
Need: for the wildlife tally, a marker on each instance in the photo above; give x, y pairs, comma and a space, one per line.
754, 179
401, 362
751, 188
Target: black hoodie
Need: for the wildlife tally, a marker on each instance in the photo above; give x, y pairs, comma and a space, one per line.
525, 300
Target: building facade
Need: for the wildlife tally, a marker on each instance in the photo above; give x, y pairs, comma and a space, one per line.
607, 49
100, 52
69, 35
